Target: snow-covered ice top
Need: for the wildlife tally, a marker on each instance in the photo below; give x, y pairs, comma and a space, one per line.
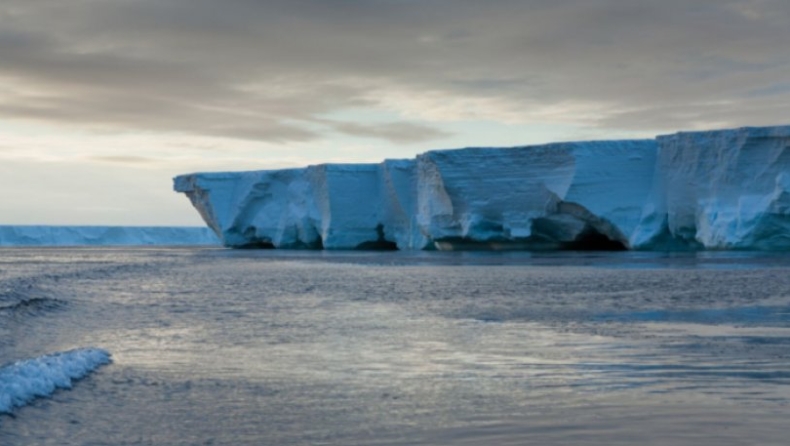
727, 189
105, 235
22, 381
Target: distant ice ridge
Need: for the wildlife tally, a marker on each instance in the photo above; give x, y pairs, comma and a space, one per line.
726, 189
23, 381
105, 235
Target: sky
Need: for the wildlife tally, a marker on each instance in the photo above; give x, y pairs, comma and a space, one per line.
102, 102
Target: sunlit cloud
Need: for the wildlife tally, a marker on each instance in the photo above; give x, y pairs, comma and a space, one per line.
134, 160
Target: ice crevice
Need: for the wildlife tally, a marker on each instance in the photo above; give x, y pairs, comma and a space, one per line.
721, 189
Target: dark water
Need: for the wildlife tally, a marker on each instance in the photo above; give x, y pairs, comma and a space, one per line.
220, 347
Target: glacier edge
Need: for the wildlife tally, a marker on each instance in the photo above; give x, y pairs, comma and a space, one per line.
721, 189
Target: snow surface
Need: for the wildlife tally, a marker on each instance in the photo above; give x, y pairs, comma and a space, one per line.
23, 381
104, 235
726, 189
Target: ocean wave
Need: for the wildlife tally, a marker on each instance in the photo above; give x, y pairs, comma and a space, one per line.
23, 381
33, 306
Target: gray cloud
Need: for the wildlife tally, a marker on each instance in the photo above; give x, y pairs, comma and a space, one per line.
399, 132
127, 160
271, 70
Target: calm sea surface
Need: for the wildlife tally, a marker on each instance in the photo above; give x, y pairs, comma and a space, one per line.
224, 347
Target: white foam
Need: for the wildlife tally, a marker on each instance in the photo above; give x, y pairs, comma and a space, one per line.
23, 381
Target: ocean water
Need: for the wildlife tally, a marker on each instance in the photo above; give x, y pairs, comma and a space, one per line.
216, 347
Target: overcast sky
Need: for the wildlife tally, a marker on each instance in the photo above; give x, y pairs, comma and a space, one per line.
102, 102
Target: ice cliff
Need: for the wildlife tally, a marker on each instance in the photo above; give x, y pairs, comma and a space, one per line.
104, 235
726, 189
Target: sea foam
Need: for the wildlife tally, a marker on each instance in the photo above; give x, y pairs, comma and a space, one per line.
23, 381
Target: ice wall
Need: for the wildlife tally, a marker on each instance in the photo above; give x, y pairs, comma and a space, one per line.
104, 236
549, 196
726, 189
538, 197
340, 206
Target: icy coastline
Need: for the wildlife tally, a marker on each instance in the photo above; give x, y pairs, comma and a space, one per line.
105, 236
723, 189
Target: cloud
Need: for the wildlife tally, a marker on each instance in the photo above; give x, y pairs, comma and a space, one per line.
128, 160
268, 70
396, 132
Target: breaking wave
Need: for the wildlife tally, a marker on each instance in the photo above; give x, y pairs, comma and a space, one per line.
23, 381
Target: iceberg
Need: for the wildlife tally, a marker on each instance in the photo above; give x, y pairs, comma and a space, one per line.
105, 236
23, 381
724, 189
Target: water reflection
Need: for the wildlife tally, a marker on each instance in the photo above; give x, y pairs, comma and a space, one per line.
623, 259
276, 347
738, 315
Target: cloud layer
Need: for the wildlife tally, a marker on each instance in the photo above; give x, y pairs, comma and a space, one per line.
274, 70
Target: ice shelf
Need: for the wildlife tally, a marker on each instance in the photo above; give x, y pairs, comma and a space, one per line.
723, 189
